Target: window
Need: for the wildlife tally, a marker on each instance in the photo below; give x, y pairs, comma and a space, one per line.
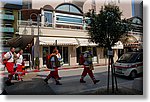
136, 21
78, 52
94, 51
74, 9
63, 8
68, 19
48, 18
68, 8
84, 48
65, 54
45, 52
140, 58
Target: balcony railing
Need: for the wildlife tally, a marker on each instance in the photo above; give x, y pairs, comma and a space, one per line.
7, 29
7, 17
23, 23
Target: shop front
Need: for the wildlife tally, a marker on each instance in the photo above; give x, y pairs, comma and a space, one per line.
69, 48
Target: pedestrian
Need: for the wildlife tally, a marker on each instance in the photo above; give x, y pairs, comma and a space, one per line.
60, 61
9, 56
53, 66
88, 67
20, 65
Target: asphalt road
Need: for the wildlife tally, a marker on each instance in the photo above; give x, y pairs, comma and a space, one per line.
33, 83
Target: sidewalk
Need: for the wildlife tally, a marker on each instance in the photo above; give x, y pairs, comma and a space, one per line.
46, 69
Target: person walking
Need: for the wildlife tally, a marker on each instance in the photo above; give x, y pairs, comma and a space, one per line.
88, 67
20, 64
9, 56
53, 66
60, 63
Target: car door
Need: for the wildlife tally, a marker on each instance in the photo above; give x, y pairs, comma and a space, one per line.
139, 63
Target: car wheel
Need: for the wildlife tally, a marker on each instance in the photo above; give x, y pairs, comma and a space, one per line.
133, 74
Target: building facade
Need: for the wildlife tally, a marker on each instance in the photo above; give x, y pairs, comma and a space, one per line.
9, 17
62, 23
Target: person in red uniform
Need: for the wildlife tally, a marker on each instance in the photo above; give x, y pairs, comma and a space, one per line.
19, 64
88, 67
53, 65
9, 56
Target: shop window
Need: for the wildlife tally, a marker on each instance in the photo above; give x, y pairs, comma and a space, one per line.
94, 51
84, 48
78, 51
65, 54
52, 48
60, 50
45, 52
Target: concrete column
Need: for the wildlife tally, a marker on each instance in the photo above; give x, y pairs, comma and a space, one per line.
35, 47
37, 50
41, 56
115, 55
42, 18
98, 55
72, 55
54, 20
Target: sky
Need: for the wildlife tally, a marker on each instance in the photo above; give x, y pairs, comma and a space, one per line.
12, 1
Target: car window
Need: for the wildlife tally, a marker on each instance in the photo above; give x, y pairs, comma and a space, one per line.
128, 58
140, 58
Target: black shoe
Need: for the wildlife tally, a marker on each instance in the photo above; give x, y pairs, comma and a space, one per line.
4, 92
96, 81
59, 78
58, 83
46, 81
8, 83
82, 81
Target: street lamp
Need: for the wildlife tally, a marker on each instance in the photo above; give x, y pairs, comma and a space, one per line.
38, 16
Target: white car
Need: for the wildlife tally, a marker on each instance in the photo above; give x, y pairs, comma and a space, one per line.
129, 64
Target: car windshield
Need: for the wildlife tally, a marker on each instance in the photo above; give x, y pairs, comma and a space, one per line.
128, 58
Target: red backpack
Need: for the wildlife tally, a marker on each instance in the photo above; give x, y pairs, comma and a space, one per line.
4, 61
81, 60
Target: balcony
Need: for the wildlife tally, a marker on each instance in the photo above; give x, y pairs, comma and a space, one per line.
7, 17
52, 30
7, 29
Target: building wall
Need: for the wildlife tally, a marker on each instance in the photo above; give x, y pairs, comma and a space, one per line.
126, 8
125, 5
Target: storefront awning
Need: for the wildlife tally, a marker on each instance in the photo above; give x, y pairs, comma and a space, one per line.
85, 42
60, 41
20, 41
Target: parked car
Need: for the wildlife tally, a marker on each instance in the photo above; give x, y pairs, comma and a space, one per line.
129, 64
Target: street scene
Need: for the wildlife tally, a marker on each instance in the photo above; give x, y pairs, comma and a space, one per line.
71, 47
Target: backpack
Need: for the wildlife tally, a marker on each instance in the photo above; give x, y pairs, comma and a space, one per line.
48, 60
49, 64
4, 61
81, 60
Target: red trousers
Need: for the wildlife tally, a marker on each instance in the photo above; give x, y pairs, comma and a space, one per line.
87, 70
10, 69
53, 74
19, 69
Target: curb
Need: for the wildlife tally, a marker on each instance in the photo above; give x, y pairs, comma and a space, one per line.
44, 70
